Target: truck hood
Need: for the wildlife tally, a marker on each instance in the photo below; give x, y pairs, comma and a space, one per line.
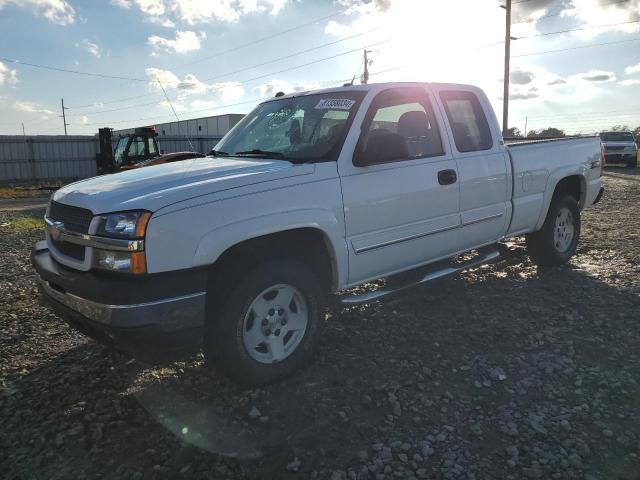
151, 188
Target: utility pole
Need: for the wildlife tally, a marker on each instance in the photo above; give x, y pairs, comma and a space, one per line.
365, 73
526, 120
23, 134
64, 118
507, 56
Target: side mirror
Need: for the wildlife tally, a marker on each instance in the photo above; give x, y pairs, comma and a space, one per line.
381, 148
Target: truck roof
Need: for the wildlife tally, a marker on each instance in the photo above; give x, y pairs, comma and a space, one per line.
371, 86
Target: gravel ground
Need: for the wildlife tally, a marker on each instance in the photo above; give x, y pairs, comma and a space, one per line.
507, 371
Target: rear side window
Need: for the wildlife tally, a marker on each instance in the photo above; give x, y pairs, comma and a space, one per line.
467, 119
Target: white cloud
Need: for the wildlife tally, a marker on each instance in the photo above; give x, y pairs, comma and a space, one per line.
203, 104
597, 76
31, 107
632, 69
185, 41
229, 91
274, 86
595, 12
201, 11
83, 120
93, 48
166, 77
59, 12
191, 86
8, 76
629, 82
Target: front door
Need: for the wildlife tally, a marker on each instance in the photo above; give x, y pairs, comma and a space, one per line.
400, 213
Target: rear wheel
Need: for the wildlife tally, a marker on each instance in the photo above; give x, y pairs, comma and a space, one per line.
556, 242
269, 324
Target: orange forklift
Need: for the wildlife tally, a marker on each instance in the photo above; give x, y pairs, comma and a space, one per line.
134, 150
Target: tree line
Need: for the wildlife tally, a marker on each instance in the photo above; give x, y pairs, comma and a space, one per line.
552, 132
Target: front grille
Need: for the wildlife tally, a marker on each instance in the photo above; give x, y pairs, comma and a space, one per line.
614, 148
69, 249
75, 219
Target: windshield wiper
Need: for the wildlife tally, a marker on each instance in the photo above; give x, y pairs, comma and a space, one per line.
218, 153
263, 153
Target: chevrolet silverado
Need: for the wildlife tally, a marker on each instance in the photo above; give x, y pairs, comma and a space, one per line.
309, 195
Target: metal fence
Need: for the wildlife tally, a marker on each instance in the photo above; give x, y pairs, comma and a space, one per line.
59, 158
42, 158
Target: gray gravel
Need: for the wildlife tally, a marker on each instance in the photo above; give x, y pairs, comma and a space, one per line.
505, 372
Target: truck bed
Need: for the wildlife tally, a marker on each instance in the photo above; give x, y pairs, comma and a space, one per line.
537, 164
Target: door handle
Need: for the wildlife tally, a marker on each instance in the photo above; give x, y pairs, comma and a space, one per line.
447, 177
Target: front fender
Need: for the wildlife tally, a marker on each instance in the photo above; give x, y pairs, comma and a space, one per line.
217, 241
552, 182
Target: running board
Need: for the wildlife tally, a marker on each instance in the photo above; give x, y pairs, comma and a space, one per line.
481, 259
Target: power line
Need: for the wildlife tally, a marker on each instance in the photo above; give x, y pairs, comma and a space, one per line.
574, 48
76, 72
250, 67
268, 37
248, 80
93, 105
578, 29
301, 52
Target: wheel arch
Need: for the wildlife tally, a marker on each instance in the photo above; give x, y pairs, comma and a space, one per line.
308, 236
572, 181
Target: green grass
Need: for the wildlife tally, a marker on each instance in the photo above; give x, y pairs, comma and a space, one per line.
26, 224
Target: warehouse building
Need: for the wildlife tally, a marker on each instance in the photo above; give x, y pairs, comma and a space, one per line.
216, 126
199, 134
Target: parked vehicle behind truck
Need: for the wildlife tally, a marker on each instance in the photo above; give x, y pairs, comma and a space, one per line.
620, 147
135, 150
309, 195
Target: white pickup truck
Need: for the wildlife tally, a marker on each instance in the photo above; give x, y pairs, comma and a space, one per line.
309, 195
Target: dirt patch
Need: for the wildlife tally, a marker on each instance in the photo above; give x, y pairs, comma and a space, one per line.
507, 371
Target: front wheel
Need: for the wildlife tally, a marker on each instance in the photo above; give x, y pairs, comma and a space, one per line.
269, 324
556, 242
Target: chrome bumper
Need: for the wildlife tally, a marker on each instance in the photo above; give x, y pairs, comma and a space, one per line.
168, 314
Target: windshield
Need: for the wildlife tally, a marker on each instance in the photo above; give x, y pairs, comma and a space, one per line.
120, 148
299, 129
617, 137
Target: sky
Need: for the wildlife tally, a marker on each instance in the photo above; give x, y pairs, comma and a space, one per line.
575, 64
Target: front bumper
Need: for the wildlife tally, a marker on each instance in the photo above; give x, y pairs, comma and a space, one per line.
139, 317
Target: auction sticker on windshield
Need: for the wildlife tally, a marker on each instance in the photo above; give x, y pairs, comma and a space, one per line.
335, 104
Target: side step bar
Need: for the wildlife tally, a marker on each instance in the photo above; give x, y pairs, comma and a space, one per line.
480, 259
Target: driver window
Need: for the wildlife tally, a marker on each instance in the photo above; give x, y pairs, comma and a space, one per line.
137, 148
407, 113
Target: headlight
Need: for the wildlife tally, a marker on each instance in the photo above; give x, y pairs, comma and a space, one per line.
123, 224
126, 226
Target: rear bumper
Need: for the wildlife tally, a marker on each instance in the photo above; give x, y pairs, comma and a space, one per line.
142, 325
620, 157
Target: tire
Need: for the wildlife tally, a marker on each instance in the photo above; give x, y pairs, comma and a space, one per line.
255, 312
556, 242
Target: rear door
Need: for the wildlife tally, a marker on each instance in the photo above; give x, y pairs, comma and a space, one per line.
405, 212
483, 169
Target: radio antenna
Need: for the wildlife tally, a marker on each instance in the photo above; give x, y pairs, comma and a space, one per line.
176, 115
